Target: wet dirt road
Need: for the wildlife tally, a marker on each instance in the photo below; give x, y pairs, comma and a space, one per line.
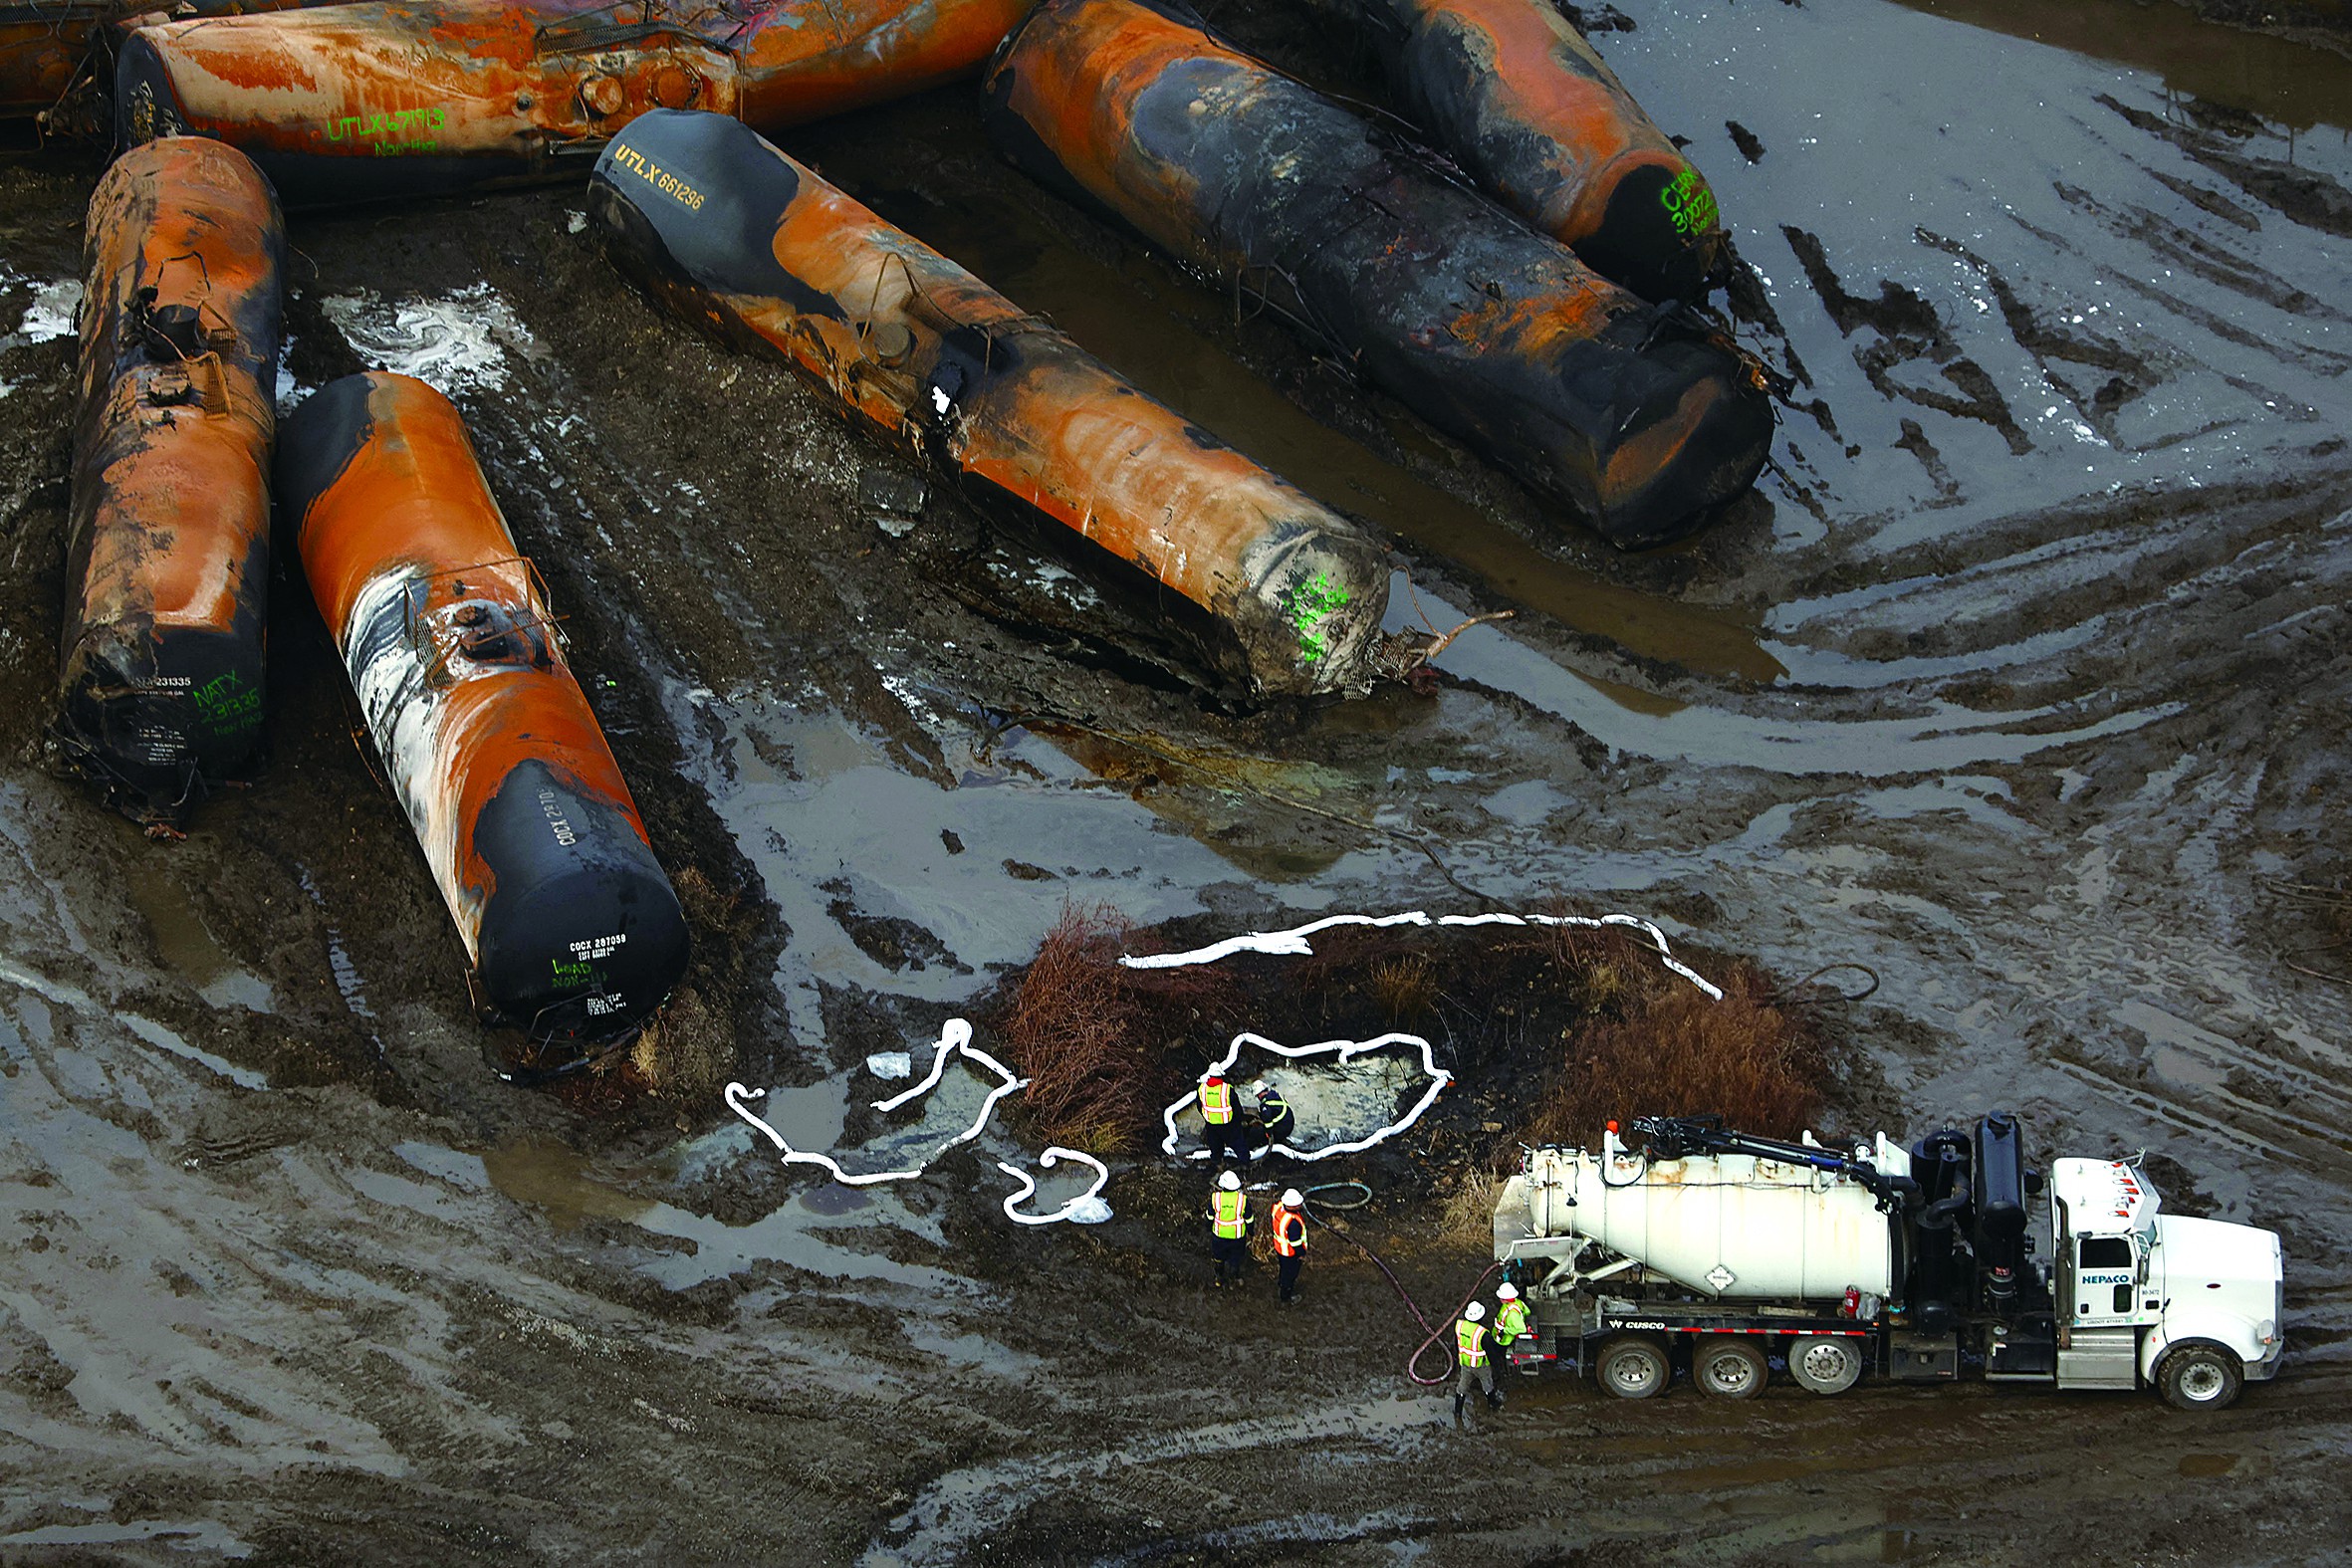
2023, 681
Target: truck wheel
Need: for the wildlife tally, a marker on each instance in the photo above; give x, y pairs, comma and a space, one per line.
1633, 1366
1822, 1365
2198, 1376
1726, 1368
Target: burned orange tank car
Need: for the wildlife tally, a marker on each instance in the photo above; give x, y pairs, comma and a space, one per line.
359, 103
1643, 420
160, 670
736, 236
571, 926
56, 56
1514, 93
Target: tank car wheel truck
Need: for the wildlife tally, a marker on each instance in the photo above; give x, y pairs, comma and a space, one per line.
1709, 1250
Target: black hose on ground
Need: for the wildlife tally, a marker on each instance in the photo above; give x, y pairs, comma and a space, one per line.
1435, 1334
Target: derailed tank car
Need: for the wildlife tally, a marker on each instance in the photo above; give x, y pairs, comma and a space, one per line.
1642, 420
367, 102
1515, 94
160, 668
55, 55
570, 925
736, 236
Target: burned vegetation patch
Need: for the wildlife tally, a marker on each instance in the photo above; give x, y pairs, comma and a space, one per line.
1549, 1032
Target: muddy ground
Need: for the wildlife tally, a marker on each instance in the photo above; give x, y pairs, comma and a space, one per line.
2022, 680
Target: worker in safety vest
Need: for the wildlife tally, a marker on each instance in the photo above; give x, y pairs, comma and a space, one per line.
1511, 1321
1273, 1114
1289, 1240
1229, 1226
1217, 1115
1470, 1358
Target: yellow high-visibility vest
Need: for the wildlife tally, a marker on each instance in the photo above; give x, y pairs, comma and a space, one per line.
1231, 1215
1470, 1342
1511, 1321
1216, 1103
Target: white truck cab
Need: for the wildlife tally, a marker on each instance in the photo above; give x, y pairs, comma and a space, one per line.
2191, 1307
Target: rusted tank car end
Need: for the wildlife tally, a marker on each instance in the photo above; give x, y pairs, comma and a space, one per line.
488, 742
168, 541
1644, 421
371, 102
54, 53
1515, 94
738, 238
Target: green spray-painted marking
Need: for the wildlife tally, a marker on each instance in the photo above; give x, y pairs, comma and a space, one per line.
226, 705
573, 971
1689, 204
1310, 605
393, 133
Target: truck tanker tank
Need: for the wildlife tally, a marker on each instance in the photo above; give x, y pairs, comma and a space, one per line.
1730, 1226
1643, 421
362, 103
571, 926
1512, 92
168, 537
734, 235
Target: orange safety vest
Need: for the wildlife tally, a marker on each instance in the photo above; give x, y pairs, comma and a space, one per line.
1289, 1232
1228, 1214
1470, 1342
1216, 1103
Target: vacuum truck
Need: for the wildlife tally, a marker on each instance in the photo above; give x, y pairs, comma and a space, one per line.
1715, 1251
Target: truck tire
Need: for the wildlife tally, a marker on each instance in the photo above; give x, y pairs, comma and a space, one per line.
1633, 1366
1728, 1368
2199, 1375
1823, 1365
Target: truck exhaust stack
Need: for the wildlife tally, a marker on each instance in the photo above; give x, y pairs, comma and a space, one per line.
371, 102
734, 235
569, 924
169, 544
1643, 420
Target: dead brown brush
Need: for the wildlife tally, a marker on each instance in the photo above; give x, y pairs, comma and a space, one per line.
1467, 1220
685, 1051
1075, 1031
1679, 1055
1404, 986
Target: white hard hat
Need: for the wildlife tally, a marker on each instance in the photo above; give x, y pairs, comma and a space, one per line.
1507, 1291
1478, 1309
1291, 1198
1258, 1087
1230, 1182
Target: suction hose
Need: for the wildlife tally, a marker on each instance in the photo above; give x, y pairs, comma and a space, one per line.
1436, 1334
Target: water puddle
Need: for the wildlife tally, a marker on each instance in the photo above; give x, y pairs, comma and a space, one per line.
2295, 85
1942, 738
2014, 276
187, 946
982, 865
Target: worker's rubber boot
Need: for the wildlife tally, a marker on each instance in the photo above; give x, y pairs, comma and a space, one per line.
1495, 1400
1458, 1399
